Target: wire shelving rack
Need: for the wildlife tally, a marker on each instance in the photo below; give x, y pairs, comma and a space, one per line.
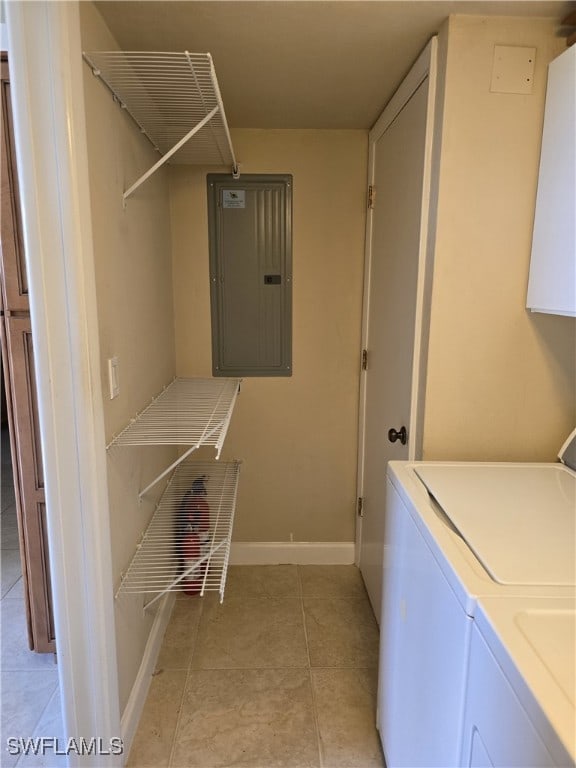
173, 97
191, 412
158, 567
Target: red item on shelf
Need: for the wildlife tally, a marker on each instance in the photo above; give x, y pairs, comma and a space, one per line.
195, 515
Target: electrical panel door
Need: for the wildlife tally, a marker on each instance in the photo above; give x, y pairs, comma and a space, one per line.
250, 231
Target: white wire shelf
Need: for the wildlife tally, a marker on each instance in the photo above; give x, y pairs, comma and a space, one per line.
172, 97
187, 412
166, 560
190, 412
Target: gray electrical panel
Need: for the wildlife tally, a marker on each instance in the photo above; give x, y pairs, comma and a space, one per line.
250, 234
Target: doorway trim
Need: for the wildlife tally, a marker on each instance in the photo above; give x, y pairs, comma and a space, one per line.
424, 67
50, 138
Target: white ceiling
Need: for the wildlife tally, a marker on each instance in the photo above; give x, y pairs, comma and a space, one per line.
297, 63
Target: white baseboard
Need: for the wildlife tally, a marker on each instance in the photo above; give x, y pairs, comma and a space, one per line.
133, 711
293, 552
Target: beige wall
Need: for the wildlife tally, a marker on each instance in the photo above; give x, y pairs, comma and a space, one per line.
296, 436
501, 381
136, 321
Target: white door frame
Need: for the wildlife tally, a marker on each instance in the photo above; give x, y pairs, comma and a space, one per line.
50, 137
424, 67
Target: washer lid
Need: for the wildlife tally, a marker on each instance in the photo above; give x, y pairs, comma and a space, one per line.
518, 519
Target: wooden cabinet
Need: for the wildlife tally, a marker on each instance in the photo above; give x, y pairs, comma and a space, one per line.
552, 284
14, 282
19, 377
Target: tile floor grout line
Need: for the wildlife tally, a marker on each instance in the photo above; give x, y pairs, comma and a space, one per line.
37, 723
314, 706
189, 670
32, 670
254, 669
185, 687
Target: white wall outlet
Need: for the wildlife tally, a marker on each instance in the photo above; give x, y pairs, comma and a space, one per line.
113, 377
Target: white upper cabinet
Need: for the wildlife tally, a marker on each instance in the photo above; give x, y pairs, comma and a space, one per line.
552, 283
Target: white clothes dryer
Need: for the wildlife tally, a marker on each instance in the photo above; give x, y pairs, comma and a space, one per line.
456, 533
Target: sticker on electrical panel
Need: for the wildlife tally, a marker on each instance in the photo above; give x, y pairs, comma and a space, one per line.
234, 198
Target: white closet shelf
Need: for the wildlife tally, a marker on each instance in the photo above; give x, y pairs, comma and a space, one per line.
158, 566
190, 412
175, 100
187, 412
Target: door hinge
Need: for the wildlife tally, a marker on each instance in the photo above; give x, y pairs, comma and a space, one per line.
360, 506
371, 197
364, 359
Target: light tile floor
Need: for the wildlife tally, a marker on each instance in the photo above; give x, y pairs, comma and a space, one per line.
282, 674
29, 697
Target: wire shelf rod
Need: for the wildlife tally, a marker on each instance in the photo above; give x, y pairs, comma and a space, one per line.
235, 170
175, 100
169, 469
217, 94
187, 411
186, 573
156, 567
168, 155
228, 541
196, 77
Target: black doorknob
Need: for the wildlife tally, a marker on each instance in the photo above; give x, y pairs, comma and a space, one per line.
401, 435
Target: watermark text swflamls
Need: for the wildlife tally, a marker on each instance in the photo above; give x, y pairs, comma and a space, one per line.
46, 745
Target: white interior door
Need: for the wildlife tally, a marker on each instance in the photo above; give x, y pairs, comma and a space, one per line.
399, 147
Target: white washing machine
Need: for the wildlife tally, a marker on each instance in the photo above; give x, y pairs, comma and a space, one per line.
461, 539
520, 694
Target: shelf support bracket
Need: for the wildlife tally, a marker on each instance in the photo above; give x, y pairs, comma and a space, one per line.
169, 154
159, 477
218, 95
180, 459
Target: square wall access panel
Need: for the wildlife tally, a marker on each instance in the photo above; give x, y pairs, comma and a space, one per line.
250, 234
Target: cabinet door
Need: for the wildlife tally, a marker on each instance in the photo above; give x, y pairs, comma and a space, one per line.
12, 264
30, 497
552, 284
424, 636
20, 384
